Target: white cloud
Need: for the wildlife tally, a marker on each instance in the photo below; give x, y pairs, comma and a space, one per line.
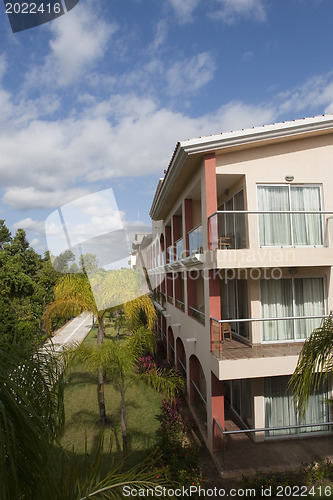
25, 198
315, 92
247, 56
28, 224
80, 39
161, 33
126, 136
230, 10
192, 74
34, 242
184, 9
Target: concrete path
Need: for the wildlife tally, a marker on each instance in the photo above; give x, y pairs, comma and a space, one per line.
75, 331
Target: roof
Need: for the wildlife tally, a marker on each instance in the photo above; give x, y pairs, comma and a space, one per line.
235, 139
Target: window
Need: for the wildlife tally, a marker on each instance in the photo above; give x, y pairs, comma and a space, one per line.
291, 297
290, 229
280, 409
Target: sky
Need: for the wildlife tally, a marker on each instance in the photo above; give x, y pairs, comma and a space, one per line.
97, 99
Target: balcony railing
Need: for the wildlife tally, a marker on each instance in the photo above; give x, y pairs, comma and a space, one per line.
216, 337
170, 299
179, 247
277, 228
180, 305
196, 314
195, 240
171, 253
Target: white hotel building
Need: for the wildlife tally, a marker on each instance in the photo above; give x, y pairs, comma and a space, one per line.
243, 246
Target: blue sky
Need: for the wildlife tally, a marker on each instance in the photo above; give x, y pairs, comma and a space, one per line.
98, 98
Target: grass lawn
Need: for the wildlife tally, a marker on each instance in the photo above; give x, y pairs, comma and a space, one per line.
82, 414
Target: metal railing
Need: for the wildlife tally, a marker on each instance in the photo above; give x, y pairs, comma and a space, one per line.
216, 333
196, 314
179, 249
268, 429
180, 305
222, 446
227, 228
198, 391
170, 299
182, 366
195, 240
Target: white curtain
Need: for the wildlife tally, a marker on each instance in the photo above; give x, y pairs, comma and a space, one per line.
280, 409
309, 301
276, 301
316, 411
274, 229
291, 297
307, 228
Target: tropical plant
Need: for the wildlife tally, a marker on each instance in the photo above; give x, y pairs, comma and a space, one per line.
76, 293
315, 363
26, 286
32, 464
119, 361
31, 414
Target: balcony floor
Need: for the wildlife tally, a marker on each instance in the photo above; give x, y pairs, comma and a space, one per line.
243, 456
233, 349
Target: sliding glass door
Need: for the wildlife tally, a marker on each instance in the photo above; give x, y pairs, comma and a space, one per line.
234, 305
280, 410
232, 225
291, 297
290, 229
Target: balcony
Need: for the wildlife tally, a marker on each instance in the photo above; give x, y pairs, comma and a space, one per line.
269, 327
195, 240
179, 247
198, 315
180, 305
275, 228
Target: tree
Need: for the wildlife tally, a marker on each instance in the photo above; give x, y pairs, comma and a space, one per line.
31, 416
315, 363
119, 360
61, 262
5, 235
76, 293
26, 286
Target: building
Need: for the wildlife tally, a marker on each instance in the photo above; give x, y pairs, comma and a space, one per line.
243, 244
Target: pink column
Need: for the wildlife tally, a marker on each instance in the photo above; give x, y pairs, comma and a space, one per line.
217, 410
211, 193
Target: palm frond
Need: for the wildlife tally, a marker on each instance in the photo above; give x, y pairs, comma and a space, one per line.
314, 364
168, 382
31, 414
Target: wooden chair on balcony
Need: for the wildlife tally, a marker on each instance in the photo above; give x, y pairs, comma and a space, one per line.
225, 241
226, 329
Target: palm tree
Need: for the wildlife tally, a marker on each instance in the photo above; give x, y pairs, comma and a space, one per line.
119, 360
31, 416
315, 363
75, 293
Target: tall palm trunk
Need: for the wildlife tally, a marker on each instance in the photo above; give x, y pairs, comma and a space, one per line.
101, 396
123, 419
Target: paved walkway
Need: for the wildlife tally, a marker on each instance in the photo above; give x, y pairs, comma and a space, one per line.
74, 331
